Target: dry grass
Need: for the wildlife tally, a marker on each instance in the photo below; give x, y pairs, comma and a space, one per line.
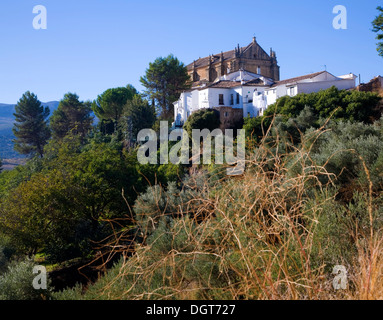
256, 240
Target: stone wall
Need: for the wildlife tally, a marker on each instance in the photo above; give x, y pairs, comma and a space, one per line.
230, 118
375, 85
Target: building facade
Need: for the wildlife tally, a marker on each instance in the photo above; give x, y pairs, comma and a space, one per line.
251, 58
244, 82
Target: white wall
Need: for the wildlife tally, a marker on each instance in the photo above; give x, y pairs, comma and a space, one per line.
190, 102
307, 87
323, 85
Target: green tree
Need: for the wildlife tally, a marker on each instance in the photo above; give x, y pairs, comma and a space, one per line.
30, 129
164, 80
378, 27
202, 119
138, 115
71, 116
339, 104
109, 106
62, 208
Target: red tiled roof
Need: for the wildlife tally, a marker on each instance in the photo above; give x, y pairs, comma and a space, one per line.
226, 84
204, 62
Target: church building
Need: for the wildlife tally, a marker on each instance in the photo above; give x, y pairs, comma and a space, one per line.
243, 83
251, 58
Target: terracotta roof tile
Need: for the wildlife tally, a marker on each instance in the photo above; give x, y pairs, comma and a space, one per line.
204, 62
226, 84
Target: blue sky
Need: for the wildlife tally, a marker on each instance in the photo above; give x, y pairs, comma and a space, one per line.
92, 45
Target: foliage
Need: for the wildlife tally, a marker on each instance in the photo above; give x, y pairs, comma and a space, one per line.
16, 283
338, 104
310, 110
30, 129
6, 253
110, 105
378, 27
138, 115
274, 233
164, 80
202, 119
72, 116
344, 149
310, 198
63, 205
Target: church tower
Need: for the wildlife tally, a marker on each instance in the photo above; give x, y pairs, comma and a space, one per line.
251, 58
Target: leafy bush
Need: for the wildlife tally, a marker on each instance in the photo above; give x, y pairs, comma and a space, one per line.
16, 283
202, 119
340, 105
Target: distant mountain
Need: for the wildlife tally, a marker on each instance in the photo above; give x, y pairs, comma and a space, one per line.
6, 123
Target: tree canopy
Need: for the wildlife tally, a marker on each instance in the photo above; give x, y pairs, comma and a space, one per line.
337, 104
202, 119
378, 28
71, 116
164, 80
110, 104
138, 115
30, 128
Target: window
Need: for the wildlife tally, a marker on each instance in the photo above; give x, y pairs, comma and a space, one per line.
259, 70
226, 114
221, 102
231, 99
237, 98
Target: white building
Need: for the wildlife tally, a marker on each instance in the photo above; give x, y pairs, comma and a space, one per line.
252, 93
306, 84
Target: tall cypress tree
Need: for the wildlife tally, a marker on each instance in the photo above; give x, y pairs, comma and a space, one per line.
30, 128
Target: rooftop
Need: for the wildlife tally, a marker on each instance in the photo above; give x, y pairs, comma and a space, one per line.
297, 79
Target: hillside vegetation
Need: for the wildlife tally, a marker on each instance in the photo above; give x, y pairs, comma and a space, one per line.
309, 199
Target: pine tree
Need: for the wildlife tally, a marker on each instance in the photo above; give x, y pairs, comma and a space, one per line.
164, 81
72, 116
378, 28
30, 128
109, 106
138, 115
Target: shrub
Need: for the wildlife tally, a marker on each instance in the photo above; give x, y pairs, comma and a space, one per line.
202, 119
16, 283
